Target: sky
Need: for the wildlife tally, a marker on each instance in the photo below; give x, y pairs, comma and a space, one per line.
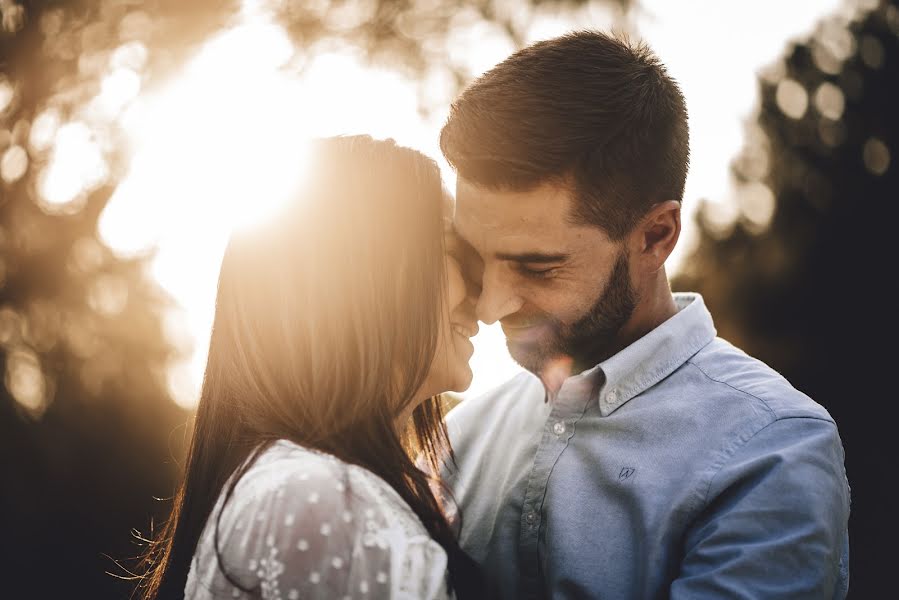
713, 49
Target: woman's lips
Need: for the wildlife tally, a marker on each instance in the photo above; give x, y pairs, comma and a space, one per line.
466, 331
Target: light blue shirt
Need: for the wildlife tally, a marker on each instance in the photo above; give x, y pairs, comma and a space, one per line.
680, 467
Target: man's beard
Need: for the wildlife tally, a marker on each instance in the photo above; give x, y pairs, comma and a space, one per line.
589, 340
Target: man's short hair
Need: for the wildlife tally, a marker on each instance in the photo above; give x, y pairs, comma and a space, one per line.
588, 110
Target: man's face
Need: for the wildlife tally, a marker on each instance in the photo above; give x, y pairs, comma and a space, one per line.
559, 290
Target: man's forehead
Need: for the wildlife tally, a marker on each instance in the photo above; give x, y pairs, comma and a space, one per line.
531, 226
545, 198
539, 213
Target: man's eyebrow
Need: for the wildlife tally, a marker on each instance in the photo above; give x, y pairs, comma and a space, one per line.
532, 257
520, 257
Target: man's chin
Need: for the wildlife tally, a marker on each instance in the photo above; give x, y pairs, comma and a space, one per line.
530, 356
544, 360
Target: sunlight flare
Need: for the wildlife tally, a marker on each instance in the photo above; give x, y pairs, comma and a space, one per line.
76, 167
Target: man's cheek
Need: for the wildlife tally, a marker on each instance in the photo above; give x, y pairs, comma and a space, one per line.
552, 307
572, 307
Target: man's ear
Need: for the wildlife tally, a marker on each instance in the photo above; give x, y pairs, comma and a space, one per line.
657, 233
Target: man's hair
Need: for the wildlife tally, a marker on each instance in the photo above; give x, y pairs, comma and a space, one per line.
587, 110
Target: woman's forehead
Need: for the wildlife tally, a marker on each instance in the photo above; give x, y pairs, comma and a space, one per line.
448, 205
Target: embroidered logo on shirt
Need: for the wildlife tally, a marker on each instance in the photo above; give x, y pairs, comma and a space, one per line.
626, 473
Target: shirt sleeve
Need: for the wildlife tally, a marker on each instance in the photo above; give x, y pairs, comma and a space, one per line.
776, 521
308, 533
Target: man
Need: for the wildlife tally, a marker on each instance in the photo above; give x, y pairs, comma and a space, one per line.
640, 456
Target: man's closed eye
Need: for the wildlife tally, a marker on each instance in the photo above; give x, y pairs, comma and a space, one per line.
538, 273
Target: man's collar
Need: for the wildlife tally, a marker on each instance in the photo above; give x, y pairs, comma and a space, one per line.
655, 355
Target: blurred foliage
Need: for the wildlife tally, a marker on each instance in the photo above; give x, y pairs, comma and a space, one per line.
801, 278
85, 415
88, 432
432, 40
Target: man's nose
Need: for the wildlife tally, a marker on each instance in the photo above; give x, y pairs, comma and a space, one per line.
498, 299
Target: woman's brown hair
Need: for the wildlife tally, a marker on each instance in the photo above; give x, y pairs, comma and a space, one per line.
326, 324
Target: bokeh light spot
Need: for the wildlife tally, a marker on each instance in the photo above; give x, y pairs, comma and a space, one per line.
754, 161
871, 51
757, 205
25, 381
10, 326
43, 130
838, 40
13, 164
132, 55
719, 217
829, 101
876, 155
86, 255
108, 295
51, 22
469, 30
13, 16
792, 99
181, 384
825, 60
76, 167
343, 16
136, 25
892, 18
832, 133
7, 93
118, 89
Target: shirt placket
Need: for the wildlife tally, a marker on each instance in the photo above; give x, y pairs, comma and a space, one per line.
568, 408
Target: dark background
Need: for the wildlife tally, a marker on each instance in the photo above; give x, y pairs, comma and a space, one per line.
89, 437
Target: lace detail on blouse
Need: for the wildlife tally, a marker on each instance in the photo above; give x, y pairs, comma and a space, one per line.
302, 524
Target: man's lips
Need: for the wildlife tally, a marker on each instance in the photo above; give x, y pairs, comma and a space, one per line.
522, 333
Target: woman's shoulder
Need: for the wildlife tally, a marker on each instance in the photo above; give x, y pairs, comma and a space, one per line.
285, 465
291, 486
300, 519
297, 473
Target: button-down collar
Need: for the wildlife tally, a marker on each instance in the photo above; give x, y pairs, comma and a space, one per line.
657, 354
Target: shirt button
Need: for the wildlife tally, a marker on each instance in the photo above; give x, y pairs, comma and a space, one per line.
531, 518
611, 397
559, 428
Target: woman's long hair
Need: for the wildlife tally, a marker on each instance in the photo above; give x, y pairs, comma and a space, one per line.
326, 325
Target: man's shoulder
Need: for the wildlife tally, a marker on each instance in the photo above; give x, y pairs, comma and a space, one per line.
733, 371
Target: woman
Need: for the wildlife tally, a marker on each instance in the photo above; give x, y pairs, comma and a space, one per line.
337, 324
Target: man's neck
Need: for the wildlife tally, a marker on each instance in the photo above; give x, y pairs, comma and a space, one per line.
655, 308
554, 373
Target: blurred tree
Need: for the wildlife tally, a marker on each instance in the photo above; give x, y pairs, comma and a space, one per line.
86, 420
85, 415
432, 40
801, 278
